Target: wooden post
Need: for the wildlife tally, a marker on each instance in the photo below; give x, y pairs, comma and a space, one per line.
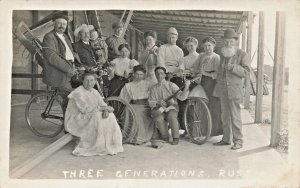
28, 165
260, 64
249, 47
244, 36
34, 66
278, 78
133, 43
137, 34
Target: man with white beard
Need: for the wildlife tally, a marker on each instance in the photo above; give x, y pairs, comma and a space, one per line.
234, 66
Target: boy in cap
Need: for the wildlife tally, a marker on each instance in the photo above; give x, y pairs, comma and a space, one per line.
169, 54
234, 66
114, 41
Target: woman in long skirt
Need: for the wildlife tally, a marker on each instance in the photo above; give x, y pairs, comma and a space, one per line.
207, 66
137, 93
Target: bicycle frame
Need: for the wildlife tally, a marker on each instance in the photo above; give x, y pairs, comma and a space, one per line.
46, 114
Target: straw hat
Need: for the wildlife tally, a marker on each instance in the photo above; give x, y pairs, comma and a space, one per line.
78, 29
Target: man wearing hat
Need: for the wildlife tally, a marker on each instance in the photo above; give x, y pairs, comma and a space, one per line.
58, 50
83, 47
114, 41
169, 54
234, 66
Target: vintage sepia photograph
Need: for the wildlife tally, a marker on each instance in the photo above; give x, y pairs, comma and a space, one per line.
113, 97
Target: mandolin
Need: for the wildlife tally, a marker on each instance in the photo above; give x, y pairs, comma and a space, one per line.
158, 110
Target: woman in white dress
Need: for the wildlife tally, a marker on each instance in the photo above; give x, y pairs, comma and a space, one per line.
90, 119
120, 69
137, 93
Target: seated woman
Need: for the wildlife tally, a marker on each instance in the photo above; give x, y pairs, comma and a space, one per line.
207, 66
89, 118
120, 69
137, 93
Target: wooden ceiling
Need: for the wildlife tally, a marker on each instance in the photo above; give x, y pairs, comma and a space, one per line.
196, 23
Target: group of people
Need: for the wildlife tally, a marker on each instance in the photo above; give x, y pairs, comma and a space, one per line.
159, 83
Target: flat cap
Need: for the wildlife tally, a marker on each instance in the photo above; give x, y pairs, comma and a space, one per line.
117, 25
59, 15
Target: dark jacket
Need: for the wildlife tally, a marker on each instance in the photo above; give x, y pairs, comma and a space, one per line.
232, 80
85, 53
57, 71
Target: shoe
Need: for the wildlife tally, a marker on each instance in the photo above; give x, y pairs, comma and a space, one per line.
175, 141
221, 143
236, 146
165, 139
183, 135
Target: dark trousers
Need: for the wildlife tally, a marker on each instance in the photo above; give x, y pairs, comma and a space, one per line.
116, 84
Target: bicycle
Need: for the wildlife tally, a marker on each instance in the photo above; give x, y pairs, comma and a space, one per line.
44, 112
44, 115
196, 115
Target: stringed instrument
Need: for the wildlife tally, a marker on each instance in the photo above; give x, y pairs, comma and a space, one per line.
158, 110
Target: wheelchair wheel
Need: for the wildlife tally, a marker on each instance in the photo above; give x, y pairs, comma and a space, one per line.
44, 115
126, 117
197, 120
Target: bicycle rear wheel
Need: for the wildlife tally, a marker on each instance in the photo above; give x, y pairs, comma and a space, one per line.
126, 117
44, 115
197, 120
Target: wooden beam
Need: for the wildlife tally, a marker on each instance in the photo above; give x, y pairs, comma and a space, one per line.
249, 48
168, 23
28, 165
133, 43
183, 31
166, 26
182, 22
127, 23
26, 75
34, 66
187, 18
198, 13
278, 78
260, 64
26, 91
244, 36
243, 17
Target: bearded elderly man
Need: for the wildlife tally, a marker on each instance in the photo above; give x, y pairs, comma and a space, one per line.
169, 54
59, 67
234, 66
83, 47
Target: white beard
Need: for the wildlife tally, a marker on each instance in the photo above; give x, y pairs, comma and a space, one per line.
228, 51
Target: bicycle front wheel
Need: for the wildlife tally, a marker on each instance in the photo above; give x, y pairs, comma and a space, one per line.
44, 115
197, 120
125, 116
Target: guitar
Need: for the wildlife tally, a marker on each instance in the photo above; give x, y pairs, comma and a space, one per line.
158, 110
